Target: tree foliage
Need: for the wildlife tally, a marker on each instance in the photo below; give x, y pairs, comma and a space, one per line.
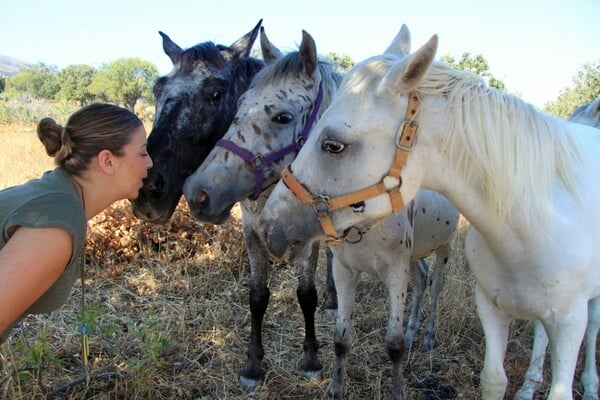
124, 81
476, 64
343, 62
39, 80
586, 88
2, 83
74, 82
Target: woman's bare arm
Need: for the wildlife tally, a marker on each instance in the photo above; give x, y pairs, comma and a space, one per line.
30, 262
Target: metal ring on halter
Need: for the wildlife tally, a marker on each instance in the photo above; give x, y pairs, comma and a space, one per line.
320, 205
300, 141
356, 238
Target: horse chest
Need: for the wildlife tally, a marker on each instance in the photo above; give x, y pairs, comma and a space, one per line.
525, 283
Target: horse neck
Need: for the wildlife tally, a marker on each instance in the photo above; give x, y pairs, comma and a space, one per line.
466, 196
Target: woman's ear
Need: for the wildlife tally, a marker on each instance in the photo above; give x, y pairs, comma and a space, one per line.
106, 162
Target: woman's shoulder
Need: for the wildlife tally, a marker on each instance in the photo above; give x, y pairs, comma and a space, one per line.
51, 200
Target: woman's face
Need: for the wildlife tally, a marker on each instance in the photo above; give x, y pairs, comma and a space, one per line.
134, 164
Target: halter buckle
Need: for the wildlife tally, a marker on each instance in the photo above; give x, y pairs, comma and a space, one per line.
321, 206
406, 138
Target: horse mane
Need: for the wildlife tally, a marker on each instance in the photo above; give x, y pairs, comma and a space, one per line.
495, 140
509, 147
291, 65
206, 52
244, 69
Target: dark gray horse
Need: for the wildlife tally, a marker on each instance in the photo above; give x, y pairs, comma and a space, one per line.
195, 103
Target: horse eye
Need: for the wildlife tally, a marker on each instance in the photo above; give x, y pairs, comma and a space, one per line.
283, 118
216, 96
332, 146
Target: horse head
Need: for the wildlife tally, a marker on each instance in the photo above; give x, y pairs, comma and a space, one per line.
335, 182
271, 124
195, 104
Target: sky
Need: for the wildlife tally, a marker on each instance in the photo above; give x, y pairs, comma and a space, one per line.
535, 47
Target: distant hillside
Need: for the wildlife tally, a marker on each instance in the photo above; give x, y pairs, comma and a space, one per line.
10, 66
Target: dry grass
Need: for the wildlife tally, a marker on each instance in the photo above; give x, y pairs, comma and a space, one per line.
170, 320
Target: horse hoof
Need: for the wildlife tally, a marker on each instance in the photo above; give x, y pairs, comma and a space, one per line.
312, 375
248, 384
335, 394
427, 346
330, 313
590, 396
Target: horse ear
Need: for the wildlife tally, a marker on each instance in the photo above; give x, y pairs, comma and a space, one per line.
171, 49
243, 46
400, 46
406, 74
270, 53
308, 54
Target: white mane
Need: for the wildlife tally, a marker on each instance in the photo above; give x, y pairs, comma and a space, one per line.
495, 140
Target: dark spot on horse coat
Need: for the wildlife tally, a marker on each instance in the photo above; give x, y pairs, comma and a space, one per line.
423, 210
257, 129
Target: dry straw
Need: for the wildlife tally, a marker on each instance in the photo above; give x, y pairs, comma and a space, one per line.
171, 320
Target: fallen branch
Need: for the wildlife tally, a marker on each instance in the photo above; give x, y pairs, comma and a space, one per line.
84, 380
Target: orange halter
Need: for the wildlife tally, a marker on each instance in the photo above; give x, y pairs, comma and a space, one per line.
323, 205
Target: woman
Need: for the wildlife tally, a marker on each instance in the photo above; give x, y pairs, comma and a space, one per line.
101, 158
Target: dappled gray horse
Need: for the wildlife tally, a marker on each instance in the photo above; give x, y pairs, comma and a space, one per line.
195, 104
272, 118
266, 133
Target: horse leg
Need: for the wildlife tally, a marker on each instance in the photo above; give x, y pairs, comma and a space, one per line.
418, 271
308, 299
534, 375
397, 282
495, 327
565, 335
331, 297
258, 258
589, 377
437, 283
346, 288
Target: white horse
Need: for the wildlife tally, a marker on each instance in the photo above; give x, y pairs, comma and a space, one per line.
587, 114
271, 115
527, 182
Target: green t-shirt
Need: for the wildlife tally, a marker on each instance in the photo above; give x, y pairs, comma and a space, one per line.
51, 201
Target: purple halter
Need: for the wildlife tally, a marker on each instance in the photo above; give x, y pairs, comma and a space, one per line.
258, 161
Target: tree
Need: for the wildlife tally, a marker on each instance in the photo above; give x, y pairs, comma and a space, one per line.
74, 82
342, 61
124, 81
2, 83
586, 88
39, 80
477, 65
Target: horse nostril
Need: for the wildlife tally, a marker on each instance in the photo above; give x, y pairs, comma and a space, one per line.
201, 197
156, 185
